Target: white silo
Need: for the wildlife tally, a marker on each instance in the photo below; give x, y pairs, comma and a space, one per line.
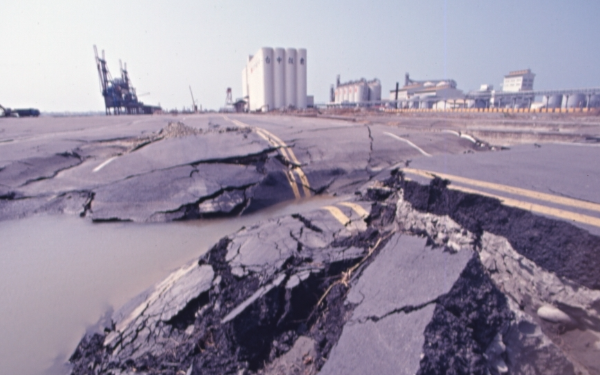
267, 62
290, 78
279, 78
362, 92
345, 93
375, 91
301, 79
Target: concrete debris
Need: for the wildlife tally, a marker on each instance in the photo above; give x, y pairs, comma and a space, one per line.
532, 293
304, 294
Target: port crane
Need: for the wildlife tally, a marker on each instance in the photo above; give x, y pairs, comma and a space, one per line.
119, 94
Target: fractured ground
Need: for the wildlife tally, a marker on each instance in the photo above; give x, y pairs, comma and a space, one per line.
405, 288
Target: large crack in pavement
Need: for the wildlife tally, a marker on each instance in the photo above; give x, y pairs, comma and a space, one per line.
168, 175
423, 283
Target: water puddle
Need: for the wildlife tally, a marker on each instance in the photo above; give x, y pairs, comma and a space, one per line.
59, 274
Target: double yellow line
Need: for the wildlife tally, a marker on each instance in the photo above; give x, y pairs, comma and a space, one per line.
534, 207
294, 172
341, 217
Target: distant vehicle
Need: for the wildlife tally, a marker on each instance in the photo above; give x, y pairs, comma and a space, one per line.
23, 112
27, 112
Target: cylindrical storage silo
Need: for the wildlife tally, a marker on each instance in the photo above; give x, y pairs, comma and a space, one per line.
576, 101
301, 78
362, 94
267, 63
290, 78
279, 78
346, 94
374, 91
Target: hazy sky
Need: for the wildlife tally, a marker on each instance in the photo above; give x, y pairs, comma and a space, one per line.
47, 59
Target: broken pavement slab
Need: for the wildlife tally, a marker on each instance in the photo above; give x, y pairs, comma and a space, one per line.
385, 334
305, 294
141, 198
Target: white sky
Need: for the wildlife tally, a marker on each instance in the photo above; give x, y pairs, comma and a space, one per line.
47, 59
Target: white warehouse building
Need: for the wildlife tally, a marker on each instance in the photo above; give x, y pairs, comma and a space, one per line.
275, 79
361, 91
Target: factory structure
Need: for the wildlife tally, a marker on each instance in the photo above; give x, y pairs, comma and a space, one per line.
430, 94
517, 93
362, 92
118, 93
275, 78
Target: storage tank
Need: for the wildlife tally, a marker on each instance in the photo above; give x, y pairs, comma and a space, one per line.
279, 78
554, 101
301, 78
374, 91
362, 94
595, 101
576, 101
267, 65
290, 78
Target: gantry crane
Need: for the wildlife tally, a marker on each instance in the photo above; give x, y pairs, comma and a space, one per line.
119, 95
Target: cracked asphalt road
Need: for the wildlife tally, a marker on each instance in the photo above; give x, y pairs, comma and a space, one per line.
162, 168
444, 254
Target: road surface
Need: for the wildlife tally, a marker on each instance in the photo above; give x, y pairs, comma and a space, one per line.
456, 242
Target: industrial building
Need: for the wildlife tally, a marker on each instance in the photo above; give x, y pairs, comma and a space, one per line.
275, 79
356, 92
426, 93
518, 80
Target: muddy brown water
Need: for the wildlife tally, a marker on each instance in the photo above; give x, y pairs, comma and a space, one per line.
59, 275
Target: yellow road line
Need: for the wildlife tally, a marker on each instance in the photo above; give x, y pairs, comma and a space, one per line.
291, 157
356, 208
292, 181
338, 214
510, 189
585, 219
287, 153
